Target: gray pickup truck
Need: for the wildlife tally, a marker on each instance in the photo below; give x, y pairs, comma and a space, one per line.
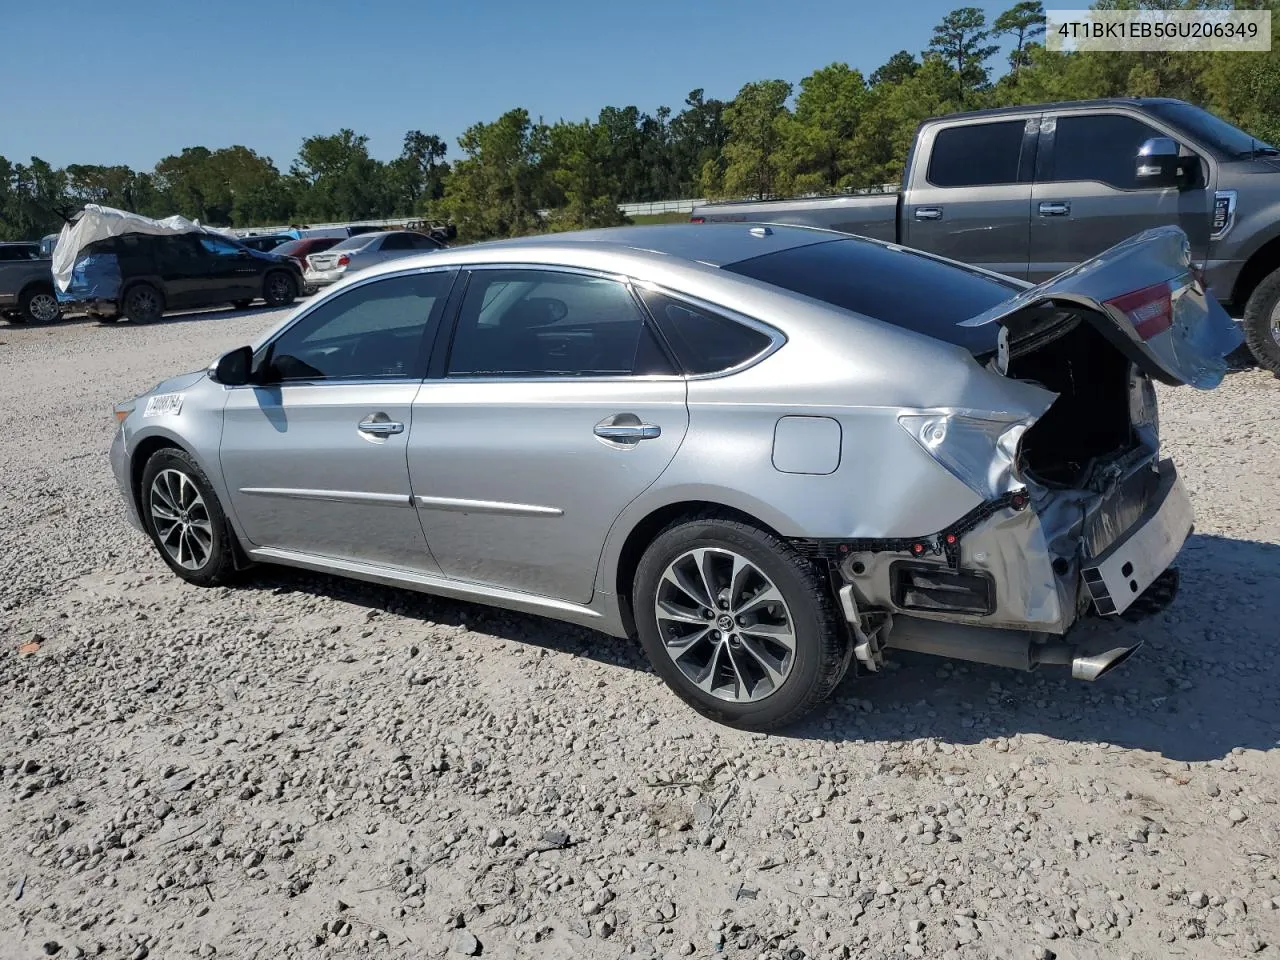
26, 290
1031, 191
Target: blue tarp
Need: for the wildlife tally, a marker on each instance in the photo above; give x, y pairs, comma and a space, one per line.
94, 276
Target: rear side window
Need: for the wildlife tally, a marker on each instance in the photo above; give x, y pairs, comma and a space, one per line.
892, 285
1101, 147
703, 342
977, 154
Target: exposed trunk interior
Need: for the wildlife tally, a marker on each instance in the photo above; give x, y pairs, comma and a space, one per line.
1090, 419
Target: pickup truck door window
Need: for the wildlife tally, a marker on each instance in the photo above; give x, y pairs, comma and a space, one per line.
1087, 198
973, 200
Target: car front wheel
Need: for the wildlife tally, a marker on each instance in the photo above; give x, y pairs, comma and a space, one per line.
1262, 323
185, 520
279, 290
39, 306
741, 626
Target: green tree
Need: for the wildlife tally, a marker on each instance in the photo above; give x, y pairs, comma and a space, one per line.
961, 42
585, 187
901, 66
496, 189
754, 121
697, 137
817, 149
338, 179
419, 173
1025, 21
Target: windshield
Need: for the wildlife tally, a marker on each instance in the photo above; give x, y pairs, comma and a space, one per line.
888, 284
355, 243
1228, 142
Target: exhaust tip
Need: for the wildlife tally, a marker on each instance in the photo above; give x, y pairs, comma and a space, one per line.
1094, 665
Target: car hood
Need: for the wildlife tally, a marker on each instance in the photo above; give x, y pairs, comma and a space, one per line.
183, 381
1153, 307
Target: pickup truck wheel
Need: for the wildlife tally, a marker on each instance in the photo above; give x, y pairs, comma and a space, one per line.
737, 623
278, 289
1262, 323
39, 305
143, 303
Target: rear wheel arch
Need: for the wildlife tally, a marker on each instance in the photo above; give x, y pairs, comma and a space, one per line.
1261, 263
644, 532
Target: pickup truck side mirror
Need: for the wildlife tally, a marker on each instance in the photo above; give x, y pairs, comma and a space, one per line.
234, 369
1158, 163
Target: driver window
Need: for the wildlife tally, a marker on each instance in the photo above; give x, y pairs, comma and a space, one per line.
376, 331
537, 323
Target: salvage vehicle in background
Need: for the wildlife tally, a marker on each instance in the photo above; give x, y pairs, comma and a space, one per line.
364, 250
297, 250
1030, 191
26, 291
115, 264
769, 451
10, 251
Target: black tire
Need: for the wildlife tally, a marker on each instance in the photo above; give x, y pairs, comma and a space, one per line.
279, 289
218, 566
242, 304
820, 640
143, 303
1261, 332
39, 305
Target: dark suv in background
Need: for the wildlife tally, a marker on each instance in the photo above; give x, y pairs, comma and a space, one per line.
140, 276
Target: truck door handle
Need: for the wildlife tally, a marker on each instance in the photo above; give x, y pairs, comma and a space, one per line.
1054, 208
626, 432
928, 213
379, 425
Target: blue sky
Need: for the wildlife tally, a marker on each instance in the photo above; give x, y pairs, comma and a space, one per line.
129, 81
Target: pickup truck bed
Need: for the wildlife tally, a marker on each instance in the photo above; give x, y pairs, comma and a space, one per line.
872, 215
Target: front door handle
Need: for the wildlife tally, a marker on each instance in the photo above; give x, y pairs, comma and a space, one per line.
380, 425
1055, 208
928, 213
627, 432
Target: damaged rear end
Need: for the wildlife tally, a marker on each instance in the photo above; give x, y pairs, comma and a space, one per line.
1080, 516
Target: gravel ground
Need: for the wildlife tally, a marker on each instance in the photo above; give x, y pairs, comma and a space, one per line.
306, 767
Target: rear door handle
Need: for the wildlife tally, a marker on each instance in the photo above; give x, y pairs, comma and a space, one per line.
627, 432
380, 425
1054, 208
928, 213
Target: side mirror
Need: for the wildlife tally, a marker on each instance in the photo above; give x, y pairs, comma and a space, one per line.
234, 369
1158, 163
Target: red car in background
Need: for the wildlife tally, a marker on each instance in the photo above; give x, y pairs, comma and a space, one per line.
297, 250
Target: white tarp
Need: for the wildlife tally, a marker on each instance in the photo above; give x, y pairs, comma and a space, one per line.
99, 223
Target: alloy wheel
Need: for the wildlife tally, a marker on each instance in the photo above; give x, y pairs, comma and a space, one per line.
725, 625
1275, 324
43, 308
181, 519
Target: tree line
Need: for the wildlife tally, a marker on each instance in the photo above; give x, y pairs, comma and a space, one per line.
836, 130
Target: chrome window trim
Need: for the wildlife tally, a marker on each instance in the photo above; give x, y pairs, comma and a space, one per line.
777, 339
627, 284
333, 295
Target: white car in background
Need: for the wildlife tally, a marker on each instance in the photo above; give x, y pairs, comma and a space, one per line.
361, 251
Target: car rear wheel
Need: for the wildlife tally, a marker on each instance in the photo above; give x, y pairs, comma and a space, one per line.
1262, 323
737, 623
242, 304
39, 305
278, 289
143, 303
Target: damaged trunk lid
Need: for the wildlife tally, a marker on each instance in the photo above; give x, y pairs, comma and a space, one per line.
1143, 295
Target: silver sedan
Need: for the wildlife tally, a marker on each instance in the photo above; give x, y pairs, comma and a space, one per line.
770, 452
361, 251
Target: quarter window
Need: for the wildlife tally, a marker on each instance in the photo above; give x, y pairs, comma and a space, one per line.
536, 323
376, 331
1101, 147
977, 154
703, 342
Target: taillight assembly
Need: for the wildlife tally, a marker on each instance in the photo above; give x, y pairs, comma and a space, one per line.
344, 260
697, 219
1150, 309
